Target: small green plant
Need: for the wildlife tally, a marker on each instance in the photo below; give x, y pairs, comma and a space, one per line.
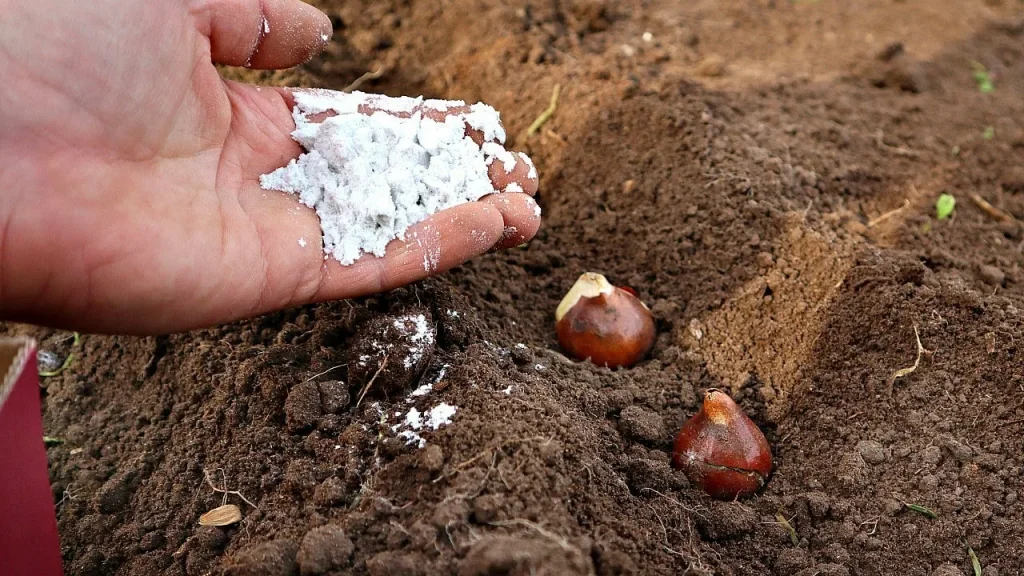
975, 562
989, 133
983, 78
921, 510
944, 206
52, 441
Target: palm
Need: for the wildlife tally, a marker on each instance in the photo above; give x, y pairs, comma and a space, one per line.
130, 173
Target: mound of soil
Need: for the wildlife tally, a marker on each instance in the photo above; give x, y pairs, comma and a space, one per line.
763, 173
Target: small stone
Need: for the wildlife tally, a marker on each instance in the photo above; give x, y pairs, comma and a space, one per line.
323, 549
487, 508
330, 492
713, 66
832, 570
928, 483
391, 563
791, 561
274, 558
302, 407
726, 520
872, 452
431, 458
334, 396
961, 452
117, 493
644, 425
931, 455
947, 569
817, 504
991, 275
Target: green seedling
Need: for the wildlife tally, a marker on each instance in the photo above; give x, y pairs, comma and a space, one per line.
52, 441
983, 78
944, 206
67, 361
921, 510
975, 562
989, 133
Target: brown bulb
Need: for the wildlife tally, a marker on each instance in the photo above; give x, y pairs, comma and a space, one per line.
721, 450
608, 325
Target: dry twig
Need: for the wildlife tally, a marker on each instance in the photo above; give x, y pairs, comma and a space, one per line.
363, 79
889, 214
372, 380
917, 362
992, 211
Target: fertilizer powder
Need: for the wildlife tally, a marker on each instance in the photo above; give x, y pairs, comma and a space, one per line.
378, 165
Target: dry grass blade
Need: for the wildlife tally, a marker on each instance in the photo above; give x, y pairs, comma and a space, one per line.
372, 380
562, 542
793, 536
889, 214
917, 362
221, 516
991, 210
547, 113
363, 79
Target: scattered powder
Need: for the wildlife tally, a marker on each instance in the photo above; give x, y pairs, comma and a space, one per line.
371, 177
266, 26
421, 336
513, 187
508, 390
453, 313
538, 367
302, 242
421, 391
441, 415
324, 37
536, 209
438, 416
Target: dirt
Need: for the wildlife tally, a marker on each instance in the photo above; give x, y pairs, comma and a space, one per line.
763, 173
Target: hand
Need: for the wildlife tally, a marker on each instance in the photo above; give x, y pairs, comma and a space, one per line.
129, 193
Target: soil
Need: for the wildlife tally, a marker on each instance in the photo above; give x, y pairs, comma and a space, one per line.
763, 173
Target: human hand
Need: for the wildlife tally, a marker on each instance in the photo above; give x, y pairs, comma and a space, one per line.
129, 171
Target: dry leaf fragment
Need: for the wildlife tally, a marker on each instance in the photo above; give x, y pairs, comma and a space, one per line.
221, 516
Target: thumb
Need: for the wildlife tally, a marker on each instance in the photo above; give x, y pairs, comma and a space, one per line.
262, 34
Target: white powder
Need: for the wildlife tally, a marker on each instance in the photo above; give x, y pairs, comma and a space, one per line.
438, 416
421, 336
371, 177
441, 415
302, 242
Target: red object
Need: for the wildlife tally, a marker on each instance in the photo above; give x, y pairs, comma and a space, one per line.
611, 330
722, 450
29, 545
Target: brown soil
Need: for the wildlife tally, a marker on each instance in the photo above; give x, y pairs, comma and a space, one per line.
732, 167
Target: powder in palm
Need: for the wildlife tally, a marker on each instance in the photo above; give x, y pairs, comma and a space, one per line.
379, 165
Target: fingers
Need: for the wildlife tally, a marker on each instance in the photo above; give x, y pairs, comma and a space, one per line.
431, 247
262, 34
521, 178
520, 215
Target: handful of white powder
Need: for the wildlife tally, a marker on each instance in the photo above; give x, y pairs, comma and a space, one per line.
371, 176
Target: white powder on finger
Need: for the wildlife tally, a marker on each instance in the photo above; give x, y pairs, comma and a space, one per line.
371, 173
